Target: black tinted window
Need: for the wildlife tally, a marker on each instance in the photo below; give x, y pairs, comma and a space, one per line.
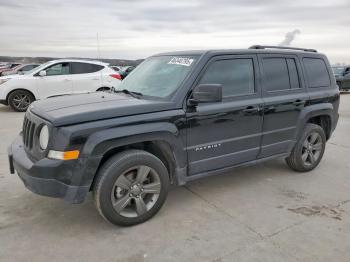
316, 72
236, 76
83, 68
293, 73
27, 68
276, 75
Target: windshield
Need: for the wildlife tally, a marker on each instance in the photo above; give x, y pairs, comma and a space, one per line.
338, 70
159, 76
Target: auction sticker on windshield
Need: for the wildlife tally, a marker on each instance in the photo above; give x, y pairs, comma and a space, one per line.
185, 61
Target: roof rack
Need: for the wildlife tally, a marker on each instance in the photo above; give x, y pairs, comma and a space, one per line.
282, 47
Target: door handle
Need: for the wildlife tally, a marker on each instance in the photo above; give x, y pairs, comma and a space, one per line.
251, 109
298, 102
67, 80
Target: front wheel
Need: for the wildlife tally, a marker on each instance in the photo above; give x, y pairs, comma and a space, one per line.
131, 187
308, 151
20, 100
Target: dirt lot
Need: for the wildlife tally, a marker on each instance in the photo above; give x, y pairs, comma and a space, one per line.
261, 213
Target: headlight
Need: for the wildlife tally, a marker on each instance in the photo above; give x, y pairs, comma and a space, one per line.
3, 80
44, 137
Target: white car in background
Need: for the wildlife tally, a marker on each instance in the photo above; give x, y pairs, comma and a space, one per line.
20, 69
54, 78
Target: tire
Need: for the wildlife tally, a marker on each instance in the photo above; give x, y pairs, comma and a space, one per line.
19, 100
121, 185
308, 151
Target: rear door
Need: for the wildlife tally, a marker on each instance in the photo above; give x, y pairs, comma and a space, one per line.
86, 77
284, 96
227, 133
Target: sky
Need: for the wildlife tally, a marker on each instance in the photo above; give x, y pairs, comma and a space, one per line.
132, 29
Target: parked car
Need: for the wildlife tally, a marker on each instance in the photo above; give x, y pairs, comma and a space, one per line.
7, 67
203, 113
58, 77
125, 71
342, 76
20, 69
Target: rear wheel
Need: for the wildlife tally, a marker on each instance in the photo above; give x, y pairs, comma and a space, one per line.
20, 100
308, 151
104, 89
131, 187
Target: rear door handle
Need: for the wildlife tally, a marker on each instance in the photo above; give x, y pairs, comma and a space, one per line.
298, 102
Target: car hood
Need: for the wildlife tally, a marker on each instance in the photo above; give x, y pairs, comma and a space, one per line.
15, 76
78, 108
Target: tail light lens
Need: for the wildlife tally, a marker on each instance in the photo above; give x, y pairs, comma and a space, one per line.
116, 76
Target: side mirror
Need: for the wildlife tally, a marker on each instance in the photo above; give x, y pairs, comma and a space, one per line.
42, 73
206, 93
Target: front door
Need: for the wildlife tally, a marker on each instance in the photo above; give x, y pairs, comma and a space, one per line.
226, 133
58, 81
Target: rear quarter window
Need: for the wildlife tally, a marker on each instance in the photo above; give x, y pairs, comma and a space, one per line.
316, 72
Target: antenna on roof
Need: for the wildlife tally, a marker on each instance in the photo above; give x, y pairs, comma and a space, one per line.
98, 47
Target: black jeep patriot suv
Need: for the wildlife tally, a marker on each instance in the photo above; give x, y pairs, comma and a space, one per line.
178, 117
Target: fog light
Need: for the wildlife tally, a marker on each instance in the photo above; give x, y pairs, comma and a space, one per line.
63, 155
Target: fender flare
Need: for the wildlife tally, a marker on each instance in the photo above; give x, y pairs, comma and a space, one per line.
312, 111
105, 140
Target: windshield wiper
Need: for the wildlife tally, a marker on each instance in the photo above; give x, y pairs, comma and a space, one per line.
128, 92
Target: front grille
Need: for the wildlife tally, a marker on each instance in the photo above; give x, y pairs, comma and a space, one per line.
28, 133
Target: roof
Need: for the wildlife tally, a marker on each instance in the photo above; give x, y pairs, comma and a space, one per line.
79, 61
239, 51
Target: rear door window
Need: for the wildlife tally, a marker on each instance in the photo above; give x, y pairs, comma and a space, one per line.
280, 74
85, 68
293, 73
276, 75
316, 72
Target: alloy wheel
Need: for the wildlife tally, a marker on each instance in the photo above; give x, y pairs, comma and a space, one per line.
21, 101
312, 148
136, 191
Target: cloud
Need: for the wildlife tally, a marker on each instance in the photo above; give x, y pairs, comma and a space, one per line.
138, 28
289, 37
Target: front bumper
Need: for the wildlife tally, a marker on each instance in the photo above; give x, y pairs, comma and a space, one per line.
45, 177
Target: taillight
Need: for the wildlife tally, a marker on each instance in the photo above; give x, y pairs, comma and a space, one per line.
116, 76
